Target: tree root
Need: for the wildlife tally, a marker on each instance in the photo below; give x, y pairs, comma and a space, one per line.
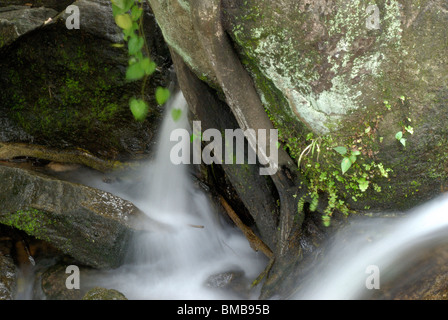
9, 151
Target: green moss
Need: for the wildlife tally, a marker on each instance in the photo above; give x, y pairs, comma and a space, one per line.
32, 221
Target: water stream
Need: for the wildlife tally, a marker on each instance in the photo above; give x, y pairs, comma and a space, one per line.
181, 261
384, 248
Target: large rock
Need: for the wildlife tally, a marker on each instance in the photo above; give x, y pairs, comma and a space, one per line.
327, 68
66, 88
15, 21
92, 226
8, 278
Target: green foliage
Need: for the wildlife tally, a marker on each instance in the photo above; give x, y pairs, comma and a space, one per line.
400, 135
139, 109
128, 16
176, 114
349, 159
338, 181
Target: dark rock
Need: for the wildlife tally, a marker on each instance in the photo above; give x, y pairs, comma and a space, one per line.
90, 225
66, 88
8, 278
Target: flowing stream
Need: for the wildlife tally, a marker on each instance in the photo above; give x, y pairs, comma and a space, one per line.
378, 250
197, 252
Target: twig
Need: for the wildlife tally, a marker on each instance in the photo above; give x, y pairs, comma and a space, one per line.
255, 243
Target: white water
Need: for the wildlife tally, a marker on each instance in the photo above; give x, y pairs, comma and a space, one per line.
392, 245
175, 263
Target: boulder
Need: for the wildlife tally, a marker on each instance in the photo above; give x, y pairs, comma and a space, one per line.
16, 21
8, 278
92, 226
66, 89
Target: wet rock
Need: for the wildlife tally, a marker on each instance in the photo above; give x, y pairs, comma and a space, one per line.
66, 88
8, 270
98, 293
16, 21
53, 284
57, 5
90, 225
233, 281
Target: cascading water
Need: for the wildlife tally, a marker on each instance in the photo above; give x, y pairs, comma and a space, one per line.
176, 262
379, 247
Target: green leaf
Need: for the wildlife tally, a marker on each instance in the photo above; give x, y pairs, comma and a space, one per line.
162, 95
123, 21
176, 114
119, 3
403, 141
345, 165
135, 44
136, 13
124, 5
352, 159
356, 153
135, 72
326, 221
148, 66
363, 184
399, 135
139, 109
340, 150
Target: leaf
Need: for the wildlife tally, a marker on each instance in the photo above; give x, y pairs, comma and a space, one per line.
176, 114
340, 150
363, 184
356, 153
123, 21
136, 13
119, 3
326, 221
409, 129
399, 135
162, 95
135, 72
124, 5
403, 141
352, 159
135, 44
148, 66
345, 165
139, 109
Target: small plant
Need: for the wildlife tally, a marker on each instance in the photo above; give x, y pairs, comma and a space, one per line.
128, 16
400, 136
349, 158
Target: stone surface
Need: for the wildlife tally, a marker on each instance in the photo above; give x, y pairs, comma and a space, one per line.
90, 225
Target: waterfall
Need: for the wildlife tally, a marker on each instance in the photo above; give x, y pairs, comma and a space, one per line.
388, 246
178, 261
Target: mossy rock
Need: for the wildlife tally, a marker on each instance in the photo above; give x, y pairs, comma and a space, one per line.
66, 88
336, 69
90, 225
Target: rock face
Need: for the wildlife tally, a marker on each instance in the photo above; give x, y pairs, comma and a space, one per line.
65, 88
90, 225
8, 276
